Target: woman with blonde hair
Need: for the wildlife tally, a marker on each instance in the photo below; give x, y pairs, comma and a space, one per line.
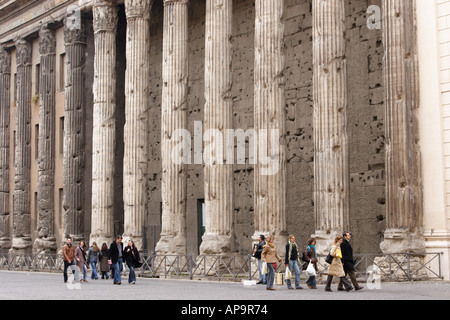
93, 258
336, 267
270, 256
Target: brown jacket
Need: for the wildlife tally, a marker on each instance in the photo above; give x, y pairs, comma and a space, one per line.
270, 255
68, 253
336, 268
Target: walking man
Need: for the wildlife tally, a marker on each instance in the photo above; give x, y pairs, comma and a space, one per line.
68, 257
116, 258
348, 262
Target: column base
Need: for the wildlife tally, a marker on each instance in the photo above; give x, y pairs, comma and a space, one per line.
21, 245
171, 244
216, 244
402, 241
5, 243
45, 245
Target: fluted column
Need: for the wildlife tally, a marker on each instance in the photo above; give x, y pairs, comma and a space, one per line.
136, 115
174, 105
269, 103
331, 171
22, 165
46, 240
104, 121
5, 97
404, 207
74, 131
218, 237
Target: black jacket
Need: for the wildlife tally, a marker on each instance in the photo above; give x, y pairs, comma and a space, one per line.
347, 255
131, 257
294, 254
114, 252
259, 249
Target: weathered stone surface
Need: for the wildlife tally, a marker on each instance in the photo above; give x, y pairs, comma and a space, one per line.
218, 185
46, 241
174, 117
104, 122
404, 203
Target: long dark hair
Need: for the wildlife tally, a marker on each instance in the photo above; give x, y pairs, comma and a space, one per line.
104, 247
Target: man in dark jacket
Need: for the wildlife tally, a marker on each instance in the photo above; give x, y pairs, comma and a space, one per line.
257, 254
116, 258
349, 262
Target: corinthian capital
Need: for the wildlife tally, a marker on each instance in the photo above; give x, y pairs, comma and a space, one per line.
5, 61
138, 8
23, 53
47, 41
105, 15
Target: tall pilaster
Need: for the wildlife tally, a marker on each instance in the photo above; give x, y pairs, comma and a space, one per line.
404, 207
136, 116
218, 237
104, 121
46, 240
74, 130
269, 103
22, 165
174, 105
5, 96
331, 170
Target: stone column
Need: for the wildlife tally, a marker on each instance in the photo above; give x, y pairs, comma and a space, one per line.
269, 104
331, 170
136, 115
22, 165
46, 240
74, 131
218, 237
174, 105
404, 207
104, 122
5, 97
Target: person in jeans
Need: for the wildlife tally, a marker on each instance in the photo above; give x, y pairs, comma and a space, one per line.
116, 258
131, 255
291, 261
257, 254
311, 257
270, 256
68, 258
93, 257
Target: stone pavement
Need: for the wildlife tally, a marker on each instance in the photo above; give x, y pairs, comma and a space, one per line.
45, 286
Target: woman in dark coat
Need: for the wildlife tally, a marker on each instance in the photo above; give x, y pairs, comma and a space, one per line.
131, 257
311, 257
104, 265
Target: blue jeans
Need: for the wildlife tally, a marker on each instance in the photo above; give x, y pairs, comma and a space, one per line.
311, 281
94, 274
262, 277
117, 268
270, 276
131, 275
295, 270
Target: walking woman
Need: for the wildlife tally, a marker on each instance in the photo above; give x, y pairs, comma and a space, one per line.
104, 265
80, 258
131, 257
336, 268
93, 257
311, 257
270, 256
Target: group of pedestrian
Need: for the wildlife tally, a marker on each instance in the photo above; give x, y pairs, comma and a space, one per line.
109, 260
342, 263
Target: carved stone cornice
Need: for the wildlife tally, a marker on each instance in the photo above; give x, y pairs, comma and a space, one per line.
23, 53
167, 2
138, 8
105, 16
5, 61
47, 41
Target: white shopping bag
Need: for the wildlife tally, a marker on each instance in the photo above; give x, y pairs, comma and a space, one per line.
264, 268
288, 274
311, 271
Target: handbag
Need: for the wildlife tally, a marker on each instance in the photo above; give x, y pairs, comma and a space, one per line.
329, 259
338, 253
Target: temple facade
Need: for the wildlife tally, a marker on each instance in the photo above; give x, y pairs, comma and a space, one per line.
210, 122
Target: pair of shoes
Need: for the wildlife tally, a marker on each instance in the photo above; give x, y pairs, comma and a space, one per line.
359, 288
349, 289
118, 283
290, 288
299, 288
271, 289
328, 290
